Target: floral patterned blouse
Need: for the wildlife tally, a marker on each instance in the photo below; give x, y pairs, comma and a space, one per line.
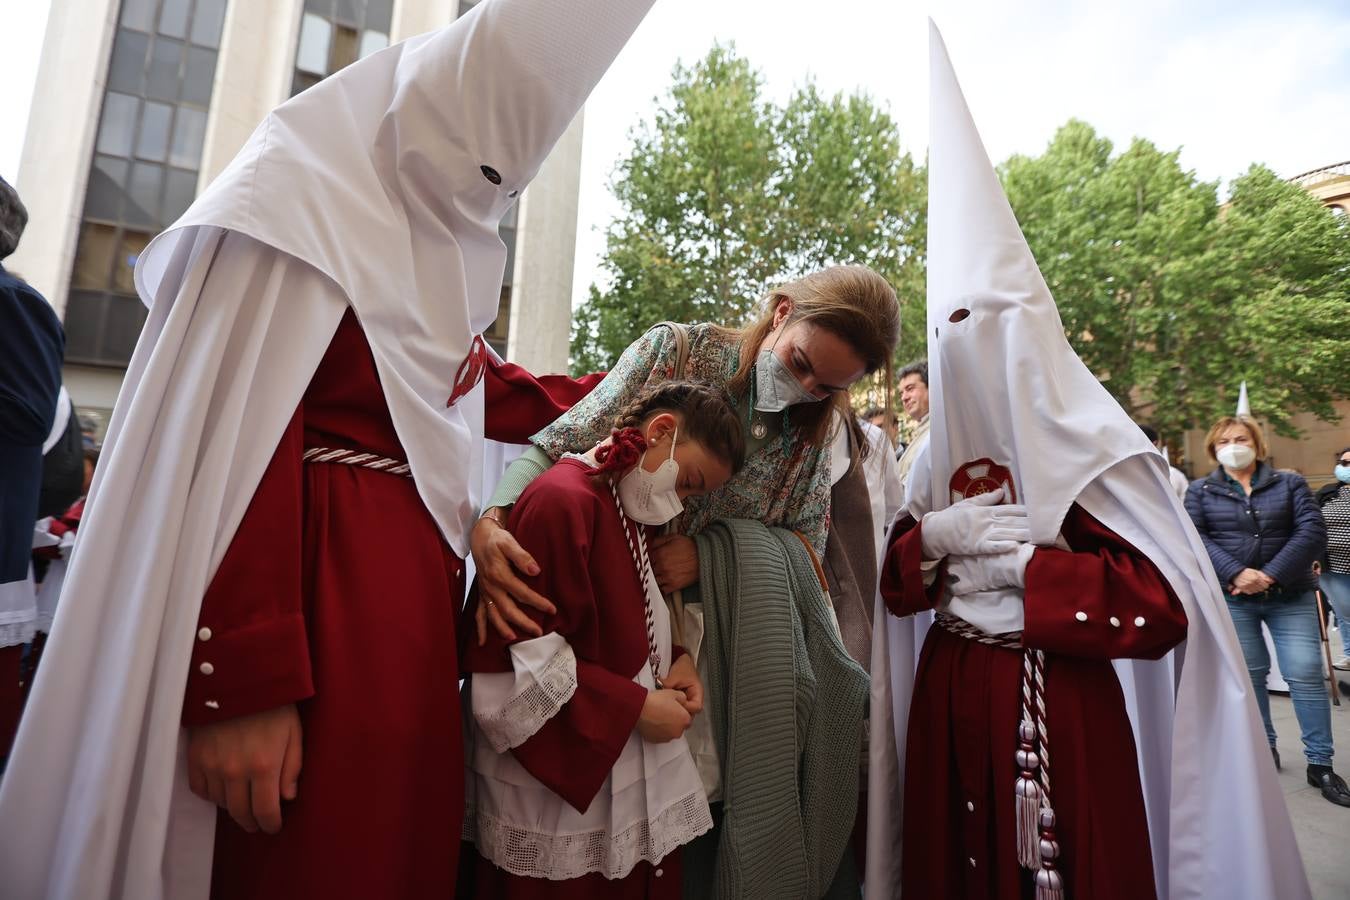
784, 484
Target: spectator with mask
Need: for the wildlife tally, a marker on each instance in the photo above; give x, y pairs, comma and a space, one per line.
1263, 532
914, 398
31, 348
1334, 499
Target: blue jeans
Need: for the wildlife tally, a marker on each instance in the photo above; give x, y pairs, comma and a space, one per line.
1298, 647
1336, 588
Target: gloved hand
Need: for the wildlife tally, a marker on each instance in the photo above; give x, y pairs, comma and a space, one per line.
972, 574
977, 526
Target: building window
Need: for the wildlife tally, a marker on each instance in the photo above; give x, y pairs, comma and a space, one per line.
144, 171
335, 34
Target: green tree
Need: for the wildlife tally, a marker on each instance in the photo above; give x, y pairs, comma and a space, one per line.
725, 194
1171, 298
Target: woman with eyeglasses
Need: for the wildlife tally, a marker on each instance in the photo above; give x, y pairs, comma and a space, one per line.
1263, 532
1334, 498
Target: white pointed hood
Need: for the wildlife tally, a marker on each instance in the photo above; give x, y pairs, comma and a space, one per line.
1005, 384
1244, 406
392, 176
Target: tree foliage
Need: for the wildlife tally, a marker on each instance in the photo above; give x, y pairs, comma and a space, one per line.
1173, 299
725, 194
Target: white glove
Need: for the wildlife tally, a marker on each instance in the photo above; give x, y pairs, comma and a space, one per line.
975, 574
977, 526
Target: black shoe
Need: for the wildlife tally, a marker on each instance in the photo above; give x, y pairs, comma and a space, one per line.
1333, 786
1276, 755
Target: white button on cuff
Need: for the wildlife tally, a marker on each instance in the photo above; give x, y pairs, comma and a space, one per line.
1115, 623
211, 704
660, 872
204, 634
1139, 621
972, 862
970, 807
1080, 616
206, 668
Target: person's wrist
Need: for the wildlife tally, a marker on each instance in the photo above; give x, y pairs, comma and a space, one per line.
494, 515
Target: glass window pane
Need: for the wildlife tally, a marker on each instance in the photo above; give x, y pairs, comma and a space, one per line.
372, 41
83, 323
166, 57
201, 72
188, 132
118, 124
128, 61
139, 14
351, 12
303, 81
154, 139
379, 14
180, 189
315, 37
322, 7
107, 180
344, 47
207, 22
133, 242
94, 257
142, 206
121, 328
173, 16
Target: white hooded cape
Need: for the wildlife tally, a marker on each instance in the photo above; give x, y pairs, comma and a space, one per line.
1005, 384
367, 190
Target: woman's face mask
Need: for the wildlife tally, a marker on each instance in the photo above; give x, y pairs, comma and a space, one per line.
1235, 456
806, 366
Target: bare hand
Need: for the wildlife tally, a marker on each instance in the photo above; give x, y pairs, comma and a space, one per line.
674, 560
247, 765
1250, 581
497, 557
664, 717
684, 677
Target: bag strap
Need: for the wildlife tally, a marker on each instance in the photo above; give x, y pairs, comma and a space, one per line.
681, 334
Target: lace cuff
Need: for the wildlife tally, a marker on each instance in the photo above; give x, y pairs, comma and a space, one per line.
511, 708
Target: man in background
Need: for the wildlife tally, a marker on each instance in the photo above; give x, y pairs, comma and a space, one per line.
914, 398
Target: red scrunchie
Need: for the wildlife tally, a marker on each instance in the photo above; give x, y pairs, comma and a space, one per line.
622, 453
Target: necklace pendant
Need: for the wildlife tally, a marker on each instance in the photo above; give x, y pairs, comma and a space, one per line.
759, 429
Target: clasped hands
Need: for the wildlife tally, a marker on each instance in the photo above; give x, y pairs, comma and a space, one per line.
986, 543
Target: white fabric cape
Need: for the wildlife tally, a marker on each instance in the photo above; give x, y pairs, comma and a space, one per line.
365, 191
1005, 384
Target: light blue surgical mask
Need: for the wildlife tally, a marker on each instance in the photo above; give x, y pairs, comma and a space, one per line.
1343, 474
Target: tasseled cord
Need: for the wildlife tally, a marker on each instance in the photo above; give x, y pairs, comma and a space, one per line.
1037, 847
624, 450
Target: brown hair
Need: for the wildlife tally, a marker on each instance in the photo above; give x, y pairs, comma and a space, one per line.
852, 302
1227, 422
707, 416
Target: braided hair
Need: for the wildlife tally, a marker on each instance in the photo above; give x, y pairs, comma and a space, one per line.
707, 416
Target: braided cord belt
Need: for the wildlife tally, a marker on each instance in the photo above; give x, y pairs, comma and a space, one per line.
359, 459
1037, 847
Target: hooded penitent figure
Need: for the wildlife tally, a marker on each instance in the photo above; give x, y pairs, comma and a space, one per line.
1042, 529
286, 488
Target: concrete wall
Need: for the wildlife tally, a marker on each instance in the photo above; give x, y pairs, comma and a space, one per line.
59, 143
546, 241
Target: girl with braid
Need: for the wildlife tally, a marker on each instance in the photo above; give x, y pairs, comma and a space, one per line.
581, 782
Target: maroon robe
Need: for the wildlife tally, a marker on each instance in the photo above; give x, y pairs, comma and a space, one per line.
959, 828
567, 521
338, 594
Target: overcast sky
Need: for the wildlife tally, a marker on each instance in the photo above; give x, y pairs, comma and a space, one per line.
1230, 83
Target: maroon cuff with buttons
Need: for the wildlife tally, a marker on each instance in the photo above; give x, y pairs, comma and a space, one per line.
902, 578
240, 671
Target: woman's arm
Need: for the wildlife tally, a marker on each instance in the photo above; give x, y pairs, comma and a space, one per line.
1225, 566
1308, 542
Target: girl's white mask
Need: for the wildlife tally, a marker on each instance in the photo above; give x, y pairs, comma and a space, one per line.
650, 497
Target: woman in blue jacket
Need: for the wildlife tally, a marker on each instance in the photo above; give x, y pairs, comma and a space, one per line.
1263, 531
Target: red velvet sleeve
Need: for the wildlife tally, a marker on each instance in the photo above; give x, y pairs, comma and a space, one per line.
902, 584
518, 404
250, 652
1104, 599
574, 752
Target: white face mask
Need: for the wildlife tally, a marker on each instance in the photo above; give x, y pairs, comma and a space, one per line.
1235, 456
650, 497
776, 388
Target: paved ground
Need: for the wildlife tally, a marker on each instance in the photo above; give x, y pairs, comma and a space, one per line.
1323, 828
